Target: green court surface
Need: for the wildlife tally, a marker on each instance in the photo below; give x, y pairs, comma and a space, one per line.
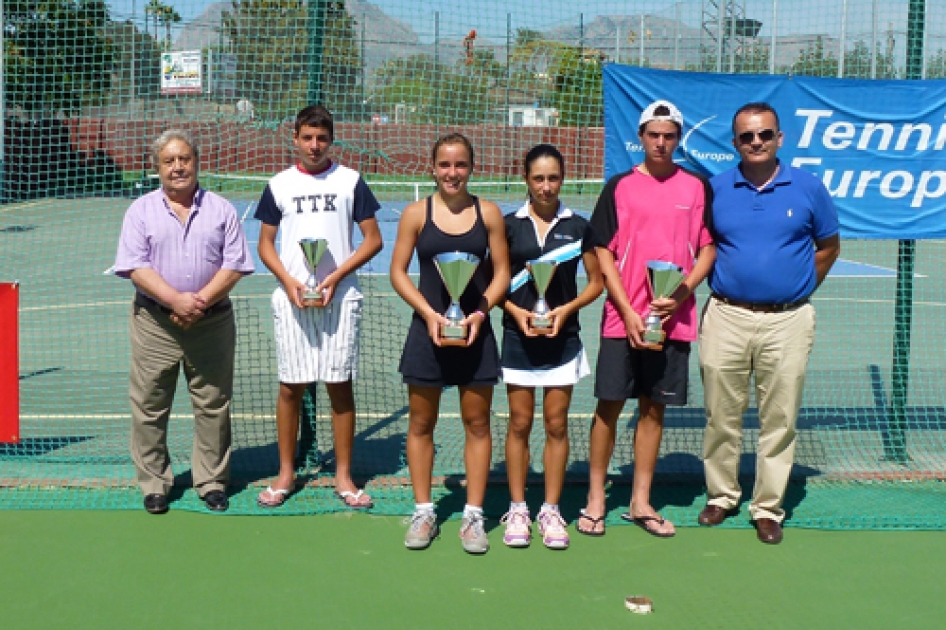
116, 570
74, 416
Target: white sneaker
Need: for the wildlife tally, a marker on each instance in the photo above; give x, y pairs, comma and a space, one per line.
552, 528
472, 534
422, 531
518, 527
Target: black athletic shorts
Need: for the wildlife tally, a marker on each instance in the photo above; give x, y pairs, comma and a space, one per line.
623, 372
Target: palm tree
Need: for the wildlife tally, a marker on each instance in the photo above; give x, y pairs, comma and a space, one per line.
152, 10
162, 14
169, 15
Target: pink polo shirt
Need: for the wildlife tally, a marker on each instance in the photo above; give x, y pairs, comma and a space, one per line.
643, 218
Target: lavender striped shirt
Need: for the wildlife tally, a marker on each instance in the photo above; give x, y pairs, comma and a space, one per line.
185, 255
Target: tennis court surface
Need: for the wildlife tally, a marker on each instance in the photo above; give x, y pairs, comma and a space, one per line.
851, 471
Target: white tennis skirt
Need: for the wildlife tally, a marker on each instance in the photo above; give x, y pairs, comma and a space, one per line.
560, 376
316, 344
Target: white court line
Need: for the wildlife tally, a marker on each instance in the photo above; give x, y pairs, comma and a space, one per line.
21, 206
864, 276
879, 301
58, 307
392, 294
247, 211
183, 416
889, 273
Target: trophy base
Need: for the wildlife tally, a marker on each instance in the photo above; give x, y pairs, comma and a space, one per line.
313, 299
654, 339
453, 335
540, 324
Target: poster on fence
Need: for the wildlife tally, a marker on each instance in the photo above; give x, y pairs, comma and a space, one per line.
9, 363
877, 145
182, 72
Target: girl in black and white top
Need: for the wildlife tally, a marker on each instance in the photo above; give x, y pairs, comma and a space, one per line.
544, 228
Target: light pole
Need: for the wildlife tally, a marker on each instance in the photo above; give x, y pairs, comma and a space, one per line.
316, 20
3, 104
895, 444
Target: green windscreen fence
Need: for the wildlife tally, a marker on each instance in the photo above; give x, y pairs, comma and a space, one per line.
88, 85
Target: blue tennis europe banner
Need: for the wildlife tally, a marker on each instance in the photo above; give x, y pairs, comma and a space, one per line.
878, 145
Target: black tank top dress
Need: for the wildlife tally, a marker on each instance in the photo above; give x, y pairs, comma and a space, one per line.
422, 362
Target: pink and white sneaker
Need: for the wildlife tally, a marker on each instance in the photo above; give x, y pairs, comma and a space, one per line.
518, 527
552, 528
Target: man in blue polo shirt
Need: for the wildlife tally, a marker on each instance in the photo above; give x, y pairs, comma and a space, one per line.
776, 233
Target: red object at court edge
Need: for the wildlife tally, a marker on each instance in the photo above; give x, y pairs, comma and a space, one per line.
9, 363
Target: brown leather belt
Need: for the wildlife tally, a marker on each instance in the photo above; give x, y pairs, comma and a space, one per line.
760, 308
144, 301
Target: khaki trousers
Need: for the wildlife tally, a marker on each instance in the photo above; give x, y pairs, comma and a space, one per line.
734, 343
158, 350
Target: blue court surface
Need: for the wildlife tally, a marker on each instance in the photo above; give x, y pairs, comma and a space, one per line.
390, 213
388, 218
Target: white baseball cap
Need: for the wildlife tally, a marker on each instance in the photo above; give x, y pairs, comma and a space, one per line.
648, 114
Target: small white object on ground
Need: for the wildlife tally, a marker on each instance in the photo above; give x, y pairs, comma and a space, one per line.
639, 604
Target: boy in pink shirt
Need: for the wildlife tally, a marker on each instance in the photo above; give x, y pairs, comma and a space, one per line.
653, 212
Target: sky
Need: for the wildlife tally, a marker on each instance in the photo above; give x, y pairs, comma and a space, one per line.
489, 17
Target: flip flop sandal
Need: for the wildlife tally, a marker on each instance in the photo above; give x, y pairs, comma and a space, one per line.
594, 524
278, 497
644, 523
353, 499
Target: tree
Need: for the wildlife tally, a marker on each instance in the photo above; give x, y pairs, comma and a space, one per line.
751, 57
271, 41
138, 53
163, 15
168, 16
936, 66
527, 36
814, 61
57, 57
576, 77
530, 62
432, 92
153, 11
484, 64
565, 77
857, 62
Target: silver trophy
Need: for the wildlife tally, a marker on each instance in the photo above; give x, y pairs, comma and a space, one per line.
312, 250
541, 271
456, 270
664, 278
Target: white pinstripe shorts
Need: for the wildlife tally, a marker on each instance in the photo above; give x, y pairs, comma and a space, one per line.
316, 344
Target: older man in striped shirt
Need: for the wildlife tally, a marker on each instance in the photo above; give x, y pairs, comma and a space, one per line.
184, 250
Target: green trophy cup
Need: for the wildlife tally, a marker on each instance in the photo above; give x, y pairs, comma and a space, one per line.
664, 278
312, 250
541, 271
456, 270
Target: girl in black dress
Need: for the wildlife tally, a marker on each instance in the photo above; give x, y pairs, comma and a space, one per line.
450, 220
554, 361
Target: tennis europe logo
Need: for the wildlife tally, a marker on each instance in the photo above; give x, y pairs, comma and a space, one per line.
905, 144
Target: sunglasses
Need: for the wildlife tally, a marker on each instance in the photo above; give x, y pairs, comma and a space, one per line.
766, 135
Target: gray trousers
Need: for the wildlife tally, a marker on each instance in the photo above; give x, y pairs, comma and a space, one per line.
158, 350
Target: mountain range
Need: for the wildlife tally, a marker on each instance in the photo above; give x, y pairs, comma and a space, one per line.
667, 43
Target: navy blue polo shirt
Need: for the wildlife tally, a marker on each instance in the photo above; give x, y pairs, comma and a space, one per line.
765, 238
567, 231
